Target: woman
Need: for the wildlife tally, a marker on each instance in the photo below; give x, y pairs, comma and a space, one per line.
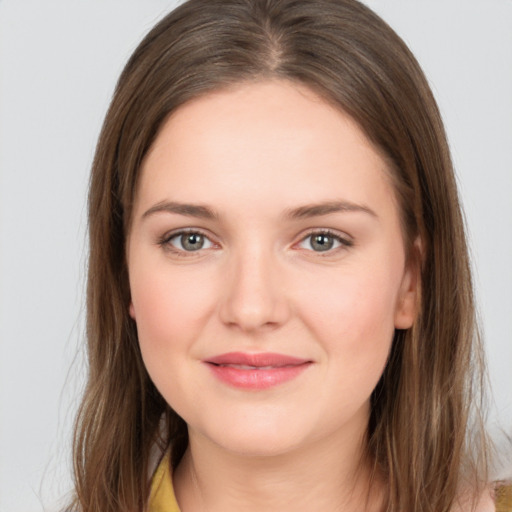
280, 311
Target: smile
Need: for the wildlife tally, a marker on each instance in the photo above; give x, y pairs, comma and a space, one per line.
256, 371
246, 367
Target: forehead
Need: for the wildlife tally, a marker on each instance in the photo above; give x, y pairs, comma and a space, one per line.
271, 141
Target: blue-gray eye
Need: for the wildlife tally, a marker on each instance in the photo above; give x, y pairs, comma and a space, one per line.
190, 242
322, 242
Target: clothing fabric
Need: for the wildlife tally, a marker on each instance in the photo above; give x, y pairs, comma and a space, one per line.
503, 496
162, 498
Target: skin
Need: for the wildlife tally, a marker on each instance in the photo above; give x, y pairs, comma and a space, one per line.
252, 154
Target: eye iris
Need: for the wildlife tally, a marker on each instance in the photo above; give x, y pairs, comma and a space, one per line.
192, 241
322, 242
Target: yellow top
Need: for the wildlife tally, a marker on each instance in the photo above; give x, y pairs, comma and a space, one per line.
162, 497
503, 496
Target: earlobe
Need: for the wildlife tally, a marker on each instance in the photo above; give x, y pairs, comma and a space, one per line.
131, 310
405, 312
409, 295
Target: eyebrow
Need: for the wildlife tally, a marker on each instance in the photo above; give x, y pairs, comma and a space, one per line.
317, 210
301, 212
189, 210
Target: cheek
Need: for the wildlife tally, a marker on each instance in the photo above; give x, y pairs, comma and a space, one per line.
353, 316
354, 304
170, 310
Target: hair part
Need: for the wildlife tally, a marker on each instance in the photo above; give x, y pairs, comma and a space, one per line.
422, 407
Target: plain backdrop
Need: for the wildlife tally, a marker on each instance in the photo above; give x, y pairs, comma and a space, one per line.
59, 61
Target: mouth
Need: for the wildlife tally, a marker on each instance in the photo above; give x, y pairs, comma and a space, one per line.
247, 367
263, 360
256, 371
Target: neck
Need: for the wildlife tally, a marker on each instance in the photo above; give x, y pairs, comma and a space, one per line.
328, 475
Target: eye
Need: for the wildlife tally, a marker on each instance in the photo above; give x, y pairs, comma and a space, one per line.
323, 241
188, 241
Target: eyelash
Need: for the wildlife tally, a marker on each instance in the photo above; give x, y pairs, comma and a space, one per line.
165, 241
344, 242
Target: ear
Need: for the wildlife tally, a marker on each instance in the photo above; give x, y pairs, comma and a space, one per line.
409, 294
131, 310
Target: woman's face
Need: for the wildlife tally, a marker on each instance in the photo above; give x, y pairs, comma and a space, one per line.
267, 268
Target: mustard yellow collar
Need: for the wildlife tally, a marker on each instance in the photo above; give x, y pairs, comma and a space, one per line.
162, 497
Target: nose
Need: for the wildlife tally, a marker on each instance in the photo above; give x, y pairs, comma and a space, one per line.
255, 296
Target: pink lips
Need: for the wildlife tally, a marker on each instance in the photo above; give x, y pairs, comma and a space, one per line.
256, 371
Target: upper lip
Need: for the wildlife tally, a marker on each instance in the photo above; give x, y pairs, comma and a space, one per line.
260, 359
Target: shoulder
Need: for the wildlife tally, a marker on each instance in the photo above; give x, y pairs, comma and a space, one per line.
485, 503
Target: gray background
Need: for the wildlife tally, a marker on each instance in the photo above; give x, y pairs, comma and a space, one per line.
58, 64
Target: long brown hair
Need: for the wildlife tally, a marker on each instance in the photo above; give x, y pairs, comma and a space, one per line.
419, 433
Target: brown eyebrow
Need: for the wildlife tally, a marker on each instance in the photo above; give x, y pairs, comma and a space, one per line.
306, 211
189, 210
316, 210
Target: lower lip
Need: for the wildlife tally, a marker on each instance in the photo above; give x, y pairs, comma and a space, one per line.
257, 379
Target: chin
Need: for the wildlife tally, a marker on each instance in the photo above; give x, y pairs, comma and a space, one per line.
261, 434
259, 444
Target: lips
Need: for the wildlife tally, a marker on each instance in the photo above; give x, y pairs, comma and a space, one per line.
256, 371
